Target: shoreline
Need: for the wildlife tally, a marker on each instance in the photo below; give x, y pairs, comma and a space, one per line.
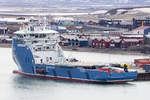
104, 50
93, 50
5, 45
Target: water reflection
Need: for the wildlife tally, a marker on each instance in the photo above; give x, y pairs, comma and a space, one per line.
15, 87
24, 80
27, 87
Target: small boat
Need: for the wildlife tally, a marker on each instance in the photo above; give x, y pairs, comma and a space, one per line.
37, 53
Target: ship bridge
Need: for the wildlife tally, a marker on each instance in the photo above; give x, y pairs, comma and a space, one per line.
43, 43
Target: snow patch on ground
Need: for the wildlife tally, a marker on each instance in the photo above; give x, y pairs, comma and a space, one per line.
99, 12
131, 11
146, 10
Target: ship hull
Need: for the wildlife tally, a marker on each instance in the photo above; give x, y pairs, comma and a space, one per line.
23, 57
71, 80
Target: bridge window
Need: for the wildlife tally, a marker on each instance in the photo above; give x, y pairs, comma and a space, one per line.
47, 48
50, 58
32, 35
34, 41
36, 36
24, 35
42, 35
19, 36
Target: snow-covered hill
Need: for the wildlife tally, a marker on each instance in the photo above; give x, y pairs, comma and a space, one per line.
134, 10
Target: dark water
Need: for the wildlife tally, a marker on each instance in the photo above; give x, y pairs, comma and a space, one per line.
15, 87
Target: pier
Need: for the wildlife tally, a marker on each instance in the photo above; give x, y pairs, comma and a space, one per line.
143, 77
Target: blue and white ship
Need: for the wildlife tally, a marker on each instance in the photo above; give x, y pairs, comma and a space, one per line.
37, 54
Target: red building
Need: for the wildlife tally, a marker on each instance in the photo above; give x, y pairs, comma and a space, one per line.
101, 43
125, 43
115, 43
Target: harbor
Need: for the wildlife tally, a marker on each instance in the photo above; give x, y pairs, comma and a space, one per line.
16, 82
76, 45
26, 87
74, 49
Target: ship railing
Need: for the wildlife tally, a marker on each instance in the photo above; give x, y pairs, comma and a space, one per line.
44, 48
45, 61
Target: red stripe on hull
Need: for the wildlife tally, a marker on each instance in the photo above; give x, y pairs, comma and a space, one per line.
66, 79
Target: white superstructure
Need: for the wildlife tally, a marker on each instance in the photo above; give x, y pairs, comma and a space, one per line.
43, 43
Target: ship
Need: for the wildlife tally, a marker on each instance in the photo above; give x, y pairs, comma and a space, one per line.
37, 53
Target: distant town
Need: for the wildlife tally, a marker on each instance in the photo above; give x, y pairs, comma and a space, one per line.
100, 31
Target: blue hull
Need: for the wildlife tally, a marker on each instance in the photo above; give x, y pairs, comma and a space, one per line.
70, 79
23, 57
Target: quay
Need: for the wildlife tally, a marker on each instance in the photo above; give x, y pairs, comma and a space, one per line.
143, 77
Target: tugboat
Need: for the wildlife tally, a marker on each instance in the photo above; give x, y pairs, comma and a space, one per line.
37, 53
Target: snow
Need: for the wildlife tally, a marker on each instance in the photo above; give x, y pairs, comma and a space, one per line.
146, 10
99, 12
133, 11
120, 11
43, 13
12, 20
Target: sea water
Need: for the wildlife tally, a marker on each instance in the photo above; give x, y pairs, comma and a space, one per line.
15, 87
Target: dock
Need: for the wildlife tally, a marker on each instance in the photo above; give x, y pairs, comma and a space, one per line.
143, 77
